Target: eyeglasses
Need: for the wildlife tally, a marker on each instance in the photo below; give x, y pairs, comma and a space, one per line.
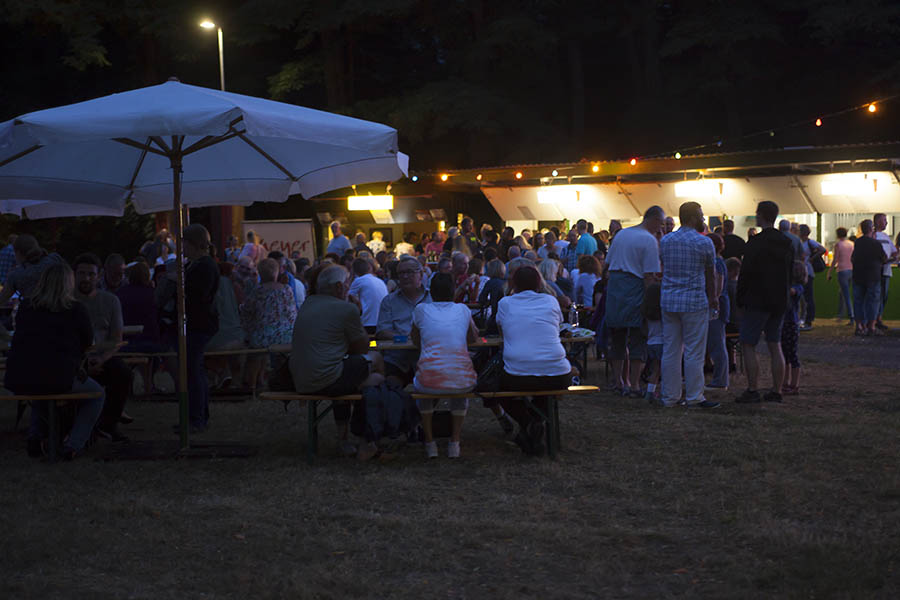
407, 273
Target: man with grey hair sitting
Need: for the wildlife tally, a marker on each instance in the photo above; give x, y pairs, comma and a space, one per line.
329, 351
395, 318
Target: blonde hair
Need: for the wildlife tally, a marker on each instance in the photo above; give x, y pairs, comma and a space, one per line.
55, 290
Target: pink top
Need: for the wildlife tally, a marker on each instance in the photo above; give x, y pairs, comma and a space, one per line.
842, 252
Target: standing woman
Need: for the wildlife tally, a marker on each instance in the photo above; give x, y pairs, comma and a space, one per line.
715, 339
53, 332
588, 274
841, 262
252, 248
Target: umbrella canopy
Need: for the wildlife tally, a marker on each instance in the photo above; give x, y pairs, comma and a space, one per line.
37, 209
103, 151
174, 144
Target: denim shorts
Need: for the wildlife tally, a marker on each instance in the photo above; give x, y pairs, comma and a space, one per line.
756, 322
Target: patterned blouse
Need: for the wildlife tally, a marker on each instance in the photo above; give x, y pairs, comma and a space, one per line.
268, 315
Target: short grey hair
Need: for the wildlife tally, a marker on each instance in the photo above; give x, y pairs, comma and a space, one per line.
329, 277
784, 225
866, 226
406, 259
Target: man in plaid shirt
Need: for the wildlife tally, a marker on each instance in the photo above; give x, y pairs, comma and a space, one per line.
688, 299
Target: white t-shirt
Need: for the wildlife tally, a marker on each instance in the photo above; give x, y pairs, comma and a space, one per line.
404, 248
376, 246
635, 250
888, 246
444, 363
560, 246
530, 323
654, 332
370, 290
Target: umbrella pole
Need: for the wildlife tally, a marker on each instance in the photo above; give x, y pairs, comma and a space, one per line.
183, 406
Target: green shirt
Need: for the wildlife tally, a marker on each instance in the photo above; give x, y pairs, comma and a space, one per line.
324, 329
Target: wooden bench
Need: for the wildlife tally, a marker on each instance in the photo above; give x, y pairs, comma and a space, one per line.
53, 401
314, 416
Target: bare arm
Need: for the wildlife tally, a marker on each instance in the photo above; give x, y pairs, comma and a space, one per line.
472, 333
359, 346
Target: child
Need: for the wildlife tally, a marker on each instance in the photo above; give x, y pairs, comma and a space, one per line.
790, 335
652, 312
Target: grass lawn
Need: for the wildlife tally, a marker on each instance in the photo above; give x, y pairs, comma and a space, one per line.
799, 500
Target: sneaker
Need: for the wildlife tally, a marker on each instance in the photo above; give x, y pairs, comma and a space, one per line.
347, 448
367, 451
748, 397
452, 450
772, 397
805, 328
126, 419
431, 449
506, 423
705, 404
635, 393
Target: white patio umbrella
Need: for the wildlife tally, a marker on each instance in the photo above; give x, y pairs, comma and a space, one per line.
173, 144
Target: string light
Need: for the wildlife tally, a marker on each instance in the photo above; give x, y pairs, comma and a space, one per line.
554, 172
518, 174
678, 156
444, 177
818, 122
478, 177
872, 107
633, 161
595, 168
415, 178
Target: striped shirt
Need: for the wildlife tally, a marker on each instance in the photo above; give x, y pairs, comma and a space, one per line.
685, 256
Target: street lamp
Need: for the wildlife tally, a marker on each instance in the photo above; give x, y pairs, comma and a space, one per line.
207, 24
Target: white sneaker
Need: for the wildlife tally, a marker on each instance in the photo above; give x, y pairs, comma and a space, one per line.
453, 450
431, 449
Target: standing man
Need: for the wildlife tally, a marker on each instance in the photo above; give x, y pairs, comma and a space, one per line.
734, 244
201, 282
670, 226
106, 320
688, 300
467, 233
586, 242
880, 220
339, 243
406, 246
811, 250
868, 261
113, 274
633, 264
763, 291
506, 242
7, 258
369, 291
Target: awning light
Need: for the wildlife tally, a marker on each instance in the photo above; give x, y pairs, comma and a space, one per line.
384, 202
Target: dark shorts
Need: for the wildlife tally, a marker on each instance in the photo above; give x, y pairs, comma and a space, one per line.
756, 322
355, 371
392, 370
633, 338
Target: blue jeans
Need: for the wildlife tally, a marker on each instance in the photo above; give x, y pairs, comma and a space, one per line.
197, 384
810, 298
866, 301
846, 301
885, 288
715, 347
87, 413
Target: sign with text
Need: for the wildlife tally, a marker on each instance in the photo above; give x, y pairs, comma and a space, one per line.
288, 237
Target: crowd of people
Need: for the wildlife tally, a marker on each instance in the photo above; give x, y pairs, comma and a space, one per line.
662, 300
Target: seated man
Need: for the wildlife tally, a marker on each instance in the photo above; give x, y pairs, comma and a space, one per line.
395, 318
369, 291
329, 351
106, 320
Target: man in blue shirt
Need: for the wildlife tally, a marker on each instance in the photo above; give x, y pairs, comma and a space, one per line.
688, 297
586, 242
340, 243
7, 259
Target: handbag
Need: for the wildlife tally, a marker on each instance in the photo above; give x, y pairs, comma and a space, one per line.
818, 264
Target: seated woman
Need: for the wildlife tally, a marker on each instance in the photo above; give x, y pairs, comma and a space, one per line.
53, 331
442, 329
588, 273
528, 320
549, 269
268, 316
231, 335
139, 308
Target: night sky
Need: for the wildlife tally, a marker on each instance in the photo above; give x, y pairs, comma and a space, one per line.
475, 83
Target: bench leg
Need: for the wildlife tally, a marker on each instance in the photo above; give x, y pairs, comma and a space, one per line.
53, 428
552, 427
312, 430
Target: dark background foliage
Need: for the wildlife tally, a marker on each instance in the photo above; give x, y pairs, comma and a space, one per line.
477, 82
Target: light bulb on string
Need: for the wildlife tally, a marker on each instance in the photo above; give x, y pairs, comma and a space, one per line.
633, 161
818, 122
872, 107
678, 156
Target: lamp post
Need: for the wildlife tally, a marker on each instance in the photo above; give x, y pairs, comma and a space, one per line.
207, 24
